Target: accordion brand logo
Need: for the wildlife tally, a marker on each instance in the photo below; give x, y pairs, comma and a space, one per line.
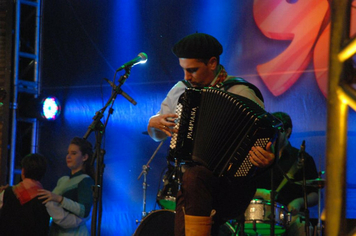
191, 123
306, 23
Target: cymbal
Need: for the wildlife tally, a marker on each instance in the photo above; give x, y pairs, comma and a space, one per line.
317, 183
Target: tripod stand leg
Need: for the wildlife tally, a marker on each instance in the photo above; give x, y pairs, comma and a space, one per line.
240, 227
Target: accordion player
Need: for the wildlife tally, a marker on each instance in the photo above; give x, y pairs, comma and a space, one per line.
217, 129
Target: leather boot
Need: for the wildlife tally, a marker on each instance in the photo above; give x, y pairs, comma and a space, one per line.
198, 225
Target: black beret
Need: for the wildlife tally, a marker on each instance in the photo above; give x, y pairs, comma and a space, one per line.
198, 45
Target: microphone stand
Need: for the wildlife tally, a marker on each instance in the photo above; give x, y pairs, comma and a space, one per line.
273, 193
306, 210
99, 153
145, 169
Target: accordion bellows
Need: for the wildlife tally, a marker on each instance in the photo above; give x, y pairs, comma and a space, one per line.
218, 129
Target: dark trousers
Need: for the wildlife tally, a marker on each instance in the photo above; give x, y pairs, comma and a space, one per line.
201, 192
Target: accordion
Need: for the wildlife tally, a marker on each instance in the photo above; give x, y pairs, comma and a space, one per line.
217, 129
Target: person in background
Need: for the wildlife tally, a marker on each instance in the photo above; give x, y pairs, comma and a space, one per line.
202, 194
70, 203
290, 194
22, 213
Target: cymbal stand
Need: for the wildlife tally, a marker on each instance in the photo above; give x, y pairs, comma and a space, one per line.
177, 174
144, 172
319, 225
240, 226
306, 210
273, 193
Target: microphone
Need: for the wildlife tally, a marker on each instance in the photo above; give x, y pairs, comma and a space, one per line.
141, 58
301, 154
302, 149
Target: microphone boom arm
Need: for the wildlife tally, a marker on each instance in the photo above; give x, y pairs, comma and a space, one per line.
118, 89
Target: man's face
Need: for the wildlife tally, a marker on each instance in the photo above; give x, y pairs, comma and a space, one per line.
283, 138
197, 73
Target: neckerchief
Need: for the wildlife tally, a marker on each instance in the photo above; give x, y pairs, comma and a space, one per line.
222, 75
26, 190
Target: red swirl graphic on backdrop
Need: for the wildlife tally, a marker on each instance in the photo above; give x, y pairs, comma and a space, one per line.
303, 23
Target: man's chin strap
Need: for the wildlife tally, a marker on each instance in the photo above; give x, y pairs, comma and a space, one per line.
198, 225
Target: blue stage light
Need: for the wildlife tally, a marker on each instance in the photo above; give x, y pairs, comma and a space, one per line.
51, 108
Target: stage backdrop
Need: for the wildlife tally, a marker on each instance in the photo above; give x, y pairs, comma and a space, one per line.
280, 46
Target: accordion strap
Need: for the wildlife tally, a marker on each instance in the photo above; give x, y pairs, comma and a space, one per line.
186, 83
236, 81
231, 82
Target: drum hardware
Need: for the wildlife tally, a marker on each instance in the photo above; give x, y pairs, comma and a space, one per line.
239, 225
258, 218
319, 225
273, 193
166, 197
300, 164
316, 183
301, 157
145, 169
160, 222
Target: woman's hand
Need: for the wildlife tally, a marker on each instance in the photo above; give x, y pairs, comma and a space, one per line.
49, 196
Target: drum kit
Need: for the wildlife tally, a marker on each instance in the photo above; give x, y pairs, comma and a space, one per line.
256, 220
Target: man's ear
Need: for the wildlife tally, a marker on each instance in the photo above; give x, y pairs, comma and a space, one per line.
86, 156
23, 174
288, 132
213, 63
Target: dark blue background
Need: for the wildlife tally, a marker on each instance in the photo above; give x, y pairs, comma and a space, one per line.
85, 41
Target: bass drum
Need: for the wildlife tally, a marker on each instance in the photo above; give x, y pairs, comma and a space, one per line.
157, 223
161, 223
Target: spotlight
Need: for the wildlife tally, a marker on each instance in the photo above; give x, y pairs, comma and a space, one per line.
51, 108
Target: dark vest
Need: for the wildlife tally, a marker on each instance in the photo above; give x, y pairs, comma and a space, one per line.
23, 220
